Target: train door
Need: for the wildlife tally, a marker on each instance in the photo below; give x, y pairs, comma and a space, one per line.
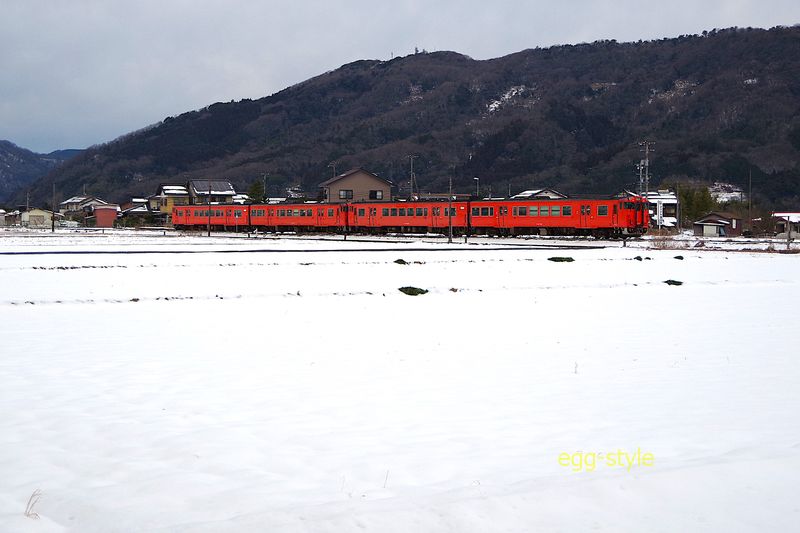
502, 218
586, 212
615, 215
372, 215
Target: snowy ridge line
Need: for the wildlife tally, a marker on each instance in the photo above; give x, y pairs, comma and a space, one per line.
392, 292
302, 250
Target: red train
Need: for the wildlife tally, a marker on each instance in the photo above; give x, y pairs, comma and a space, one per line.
617, 217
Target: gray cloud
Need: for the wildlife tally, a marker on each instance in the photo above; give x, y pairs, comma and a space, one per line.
78, 73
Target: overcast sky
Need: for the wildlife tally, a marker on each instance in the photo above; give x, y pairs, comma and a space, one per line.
79, 72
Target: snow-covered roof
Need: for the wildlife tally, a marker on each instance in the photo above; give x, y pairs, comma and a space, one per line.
539, 193
791, 217
174, 190
74, 200
214, 187
665, 197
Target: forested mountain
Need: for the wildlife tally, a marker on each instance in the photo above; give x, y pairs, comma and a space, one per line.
717, 105
19, 167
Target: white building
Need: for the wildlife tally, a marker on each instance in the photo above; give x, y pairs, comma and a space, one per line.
663, 208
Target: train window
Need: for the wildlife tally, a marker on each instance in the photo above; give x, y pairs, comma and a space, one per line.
555, 211
385, 212
534, 210
544, 211
602, 210
361, 212
588, 210
402, 211
309, 212
437, 211
281, 212
411, 211
420, 213
503, 210
522, 210
229, 212
394, 211
567, 211
330, 212
485, 211
615, 209
475, 211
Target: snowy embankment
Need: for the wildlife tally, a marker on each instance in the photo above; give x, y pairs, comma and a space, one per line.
301, 391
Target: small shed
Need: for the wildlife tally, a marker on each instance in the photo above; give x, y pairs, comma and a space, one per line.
105, 215
718, 224
357, 185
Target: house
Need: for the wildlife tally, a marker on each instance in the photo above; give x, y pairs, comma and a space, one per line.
219, 191
10, 219
79, 204
784, 219
664, 208
531, 194
167, 197
718, 225
38, 218
356, 185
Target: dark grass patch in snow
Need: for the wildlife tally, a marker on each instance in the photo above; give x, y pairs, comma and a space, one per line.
561, 259
412, 291
673, 282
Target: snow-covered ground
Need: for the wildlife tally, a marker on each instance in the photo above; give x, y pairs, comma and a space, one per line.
287, 385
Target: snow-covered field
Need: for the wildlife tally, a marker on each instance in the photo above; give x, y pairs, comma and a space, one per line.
287, 385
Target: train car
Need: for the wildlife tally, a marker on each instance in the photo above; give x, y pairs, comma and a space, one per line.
406, 217
613, 217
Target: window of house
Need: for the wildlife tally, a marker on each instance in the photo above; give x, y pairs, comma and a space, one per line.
602, 210
346, 194
376, 195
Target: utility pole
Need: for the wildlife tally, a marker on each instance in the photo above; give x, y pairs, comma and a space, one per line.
477, 187
450, 209
750, 201
264, 195
411, 159
53, 213
646, 147
208, 206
